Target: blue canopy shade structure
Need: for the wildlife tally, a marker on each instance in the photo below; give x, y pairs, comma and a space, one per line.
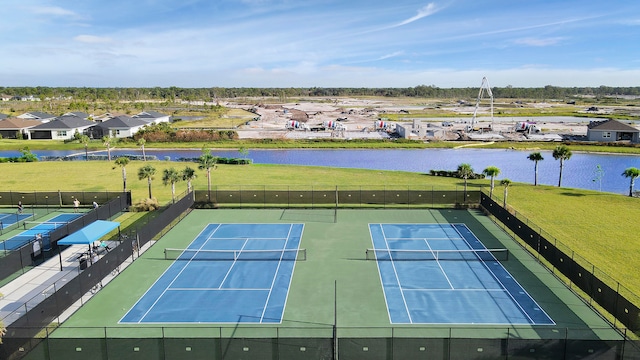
90, 233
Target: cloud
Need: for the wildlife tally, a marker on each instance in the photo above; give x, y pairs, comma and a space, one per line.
427, 10
539, 41
91, 39
630, 22
423, 12
53, 10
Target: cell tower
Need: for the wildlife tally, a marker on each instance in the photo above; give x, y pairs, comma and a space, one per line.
484, 88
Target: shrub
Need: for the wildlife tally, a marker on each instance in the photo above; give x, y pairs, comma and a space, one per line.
145, 205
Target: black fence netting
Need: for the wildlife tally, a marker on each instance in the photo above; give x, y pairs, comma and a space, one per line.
595, 284
216, 347
56, 198
338, 197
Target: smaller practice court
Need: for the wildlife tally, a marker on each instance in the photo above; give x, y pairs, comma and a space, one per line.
30, 229
230, 273
8, 219
443, 274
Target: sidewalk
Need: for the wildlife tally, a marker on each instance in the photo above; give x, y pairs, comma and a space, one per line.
32, 287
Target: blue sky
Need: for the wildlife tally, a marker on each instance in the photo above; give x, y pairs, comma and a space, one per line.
319, 43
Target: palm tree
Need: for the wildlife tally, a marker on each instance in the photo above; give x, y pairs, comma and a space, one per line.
506, 183
465, 171
631, 173
561, 153
535, 157
171, 176
123, 161
491, 171
108, 141
147, 172
84, 139
141, 143
243, 151
188, 174
207, 162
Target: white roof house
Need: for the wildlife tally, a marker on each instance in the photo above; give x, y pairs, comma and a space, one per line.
61, 128
37, 115
153, 117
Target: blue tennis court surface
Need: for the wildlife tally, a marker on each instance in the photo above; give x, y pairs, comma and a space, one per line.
203, 286
7, 220
456, 289
44, 228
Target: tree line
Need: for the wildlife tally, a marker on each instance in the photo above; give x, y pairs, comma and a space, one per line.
171, 94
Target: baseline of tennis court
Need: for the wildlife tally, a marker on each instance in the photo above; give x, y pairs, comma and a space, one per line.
35, 228
7, 220
230, 273
442, 274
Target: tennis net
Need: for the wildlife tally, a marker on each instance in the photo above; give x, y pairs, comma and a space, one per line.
275, 255
28, 225
438, 255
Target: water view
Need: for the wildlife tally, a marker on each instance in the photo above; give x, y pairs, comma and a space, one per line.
581, 171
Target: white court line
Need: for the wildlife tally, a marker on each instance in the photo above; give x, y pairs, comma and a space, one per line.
275, 275
393, 264
235, 261
440, 266
498, 280
171, 283
218, 289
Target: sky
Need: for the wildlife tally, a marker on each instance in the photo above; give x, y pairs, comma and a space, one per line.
319, 43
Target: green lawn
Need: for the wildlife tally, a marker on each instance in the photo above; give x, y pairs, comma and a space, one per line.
600, 227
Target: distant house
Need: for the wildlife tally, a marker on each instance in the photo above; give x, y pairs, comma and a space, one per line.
153, 117
10, 127
5, 97
612, 130
37, 115
80, 114
26, 98
120, 126
61, 128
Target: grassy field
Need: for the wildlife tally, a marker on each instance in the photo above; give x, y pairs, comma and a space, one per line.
601, 227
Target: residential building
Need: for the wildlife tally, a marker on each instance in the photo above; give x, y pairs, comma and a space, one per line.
153, 117
612, 130
37, 115
120, 127
61, 128
10, 127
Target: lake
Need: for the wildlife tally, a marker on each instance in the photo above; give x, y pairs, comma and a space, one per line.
579, 171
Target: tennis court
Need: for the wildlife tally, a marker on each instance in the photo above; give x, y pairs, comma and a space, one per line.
7, 220
443, 274
335, 288
230, 273
32, 229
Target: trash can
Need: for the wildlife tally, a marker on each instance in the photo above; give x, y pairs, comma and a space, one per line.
83, 263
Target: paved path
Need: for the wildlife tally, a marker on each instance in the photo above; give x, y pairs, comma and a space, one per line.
35, 285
